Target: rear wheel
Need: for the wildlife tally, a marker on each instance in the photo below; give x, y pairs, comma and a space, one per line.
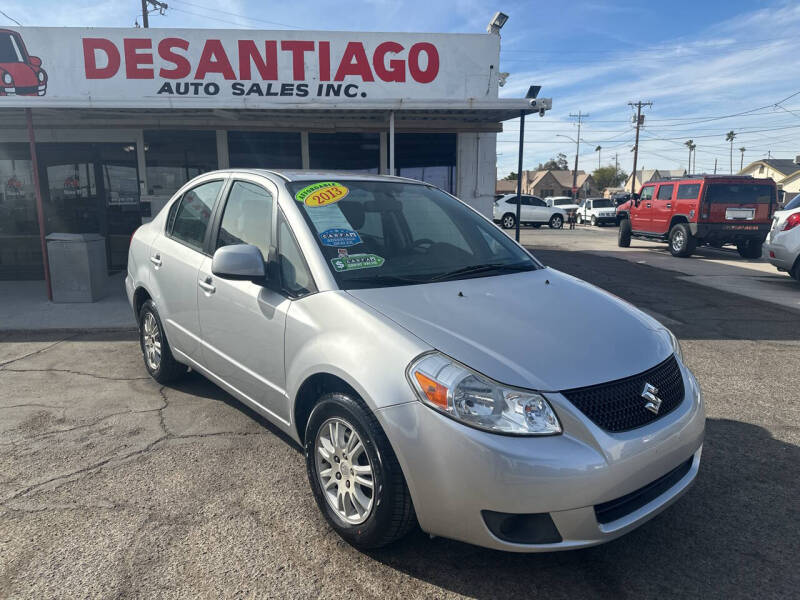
796, 269
681, 241
556, 222
749, 249
508, 221
158, 359
624, 234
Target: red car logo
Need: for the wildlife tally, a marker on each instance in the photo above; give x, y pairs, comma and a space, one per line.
20, 73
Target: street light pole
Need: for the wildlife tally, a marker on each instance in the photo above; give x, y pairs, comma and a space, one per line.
519, 170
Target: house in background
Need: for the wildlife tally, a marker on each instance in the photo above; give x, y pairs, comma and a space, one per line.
506, 186
550, 182
646, 175
784, 171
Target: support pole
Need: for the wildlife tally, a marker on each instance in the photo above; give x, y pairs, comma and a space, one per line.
391, 142
39, 208
519, 169
145, 22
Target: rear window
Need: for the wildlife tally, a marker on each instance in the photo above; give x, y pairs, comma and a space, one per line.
736, 193
688, 191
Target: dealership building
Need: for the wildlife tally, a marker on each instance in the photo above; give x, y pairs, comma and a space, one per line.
100, 127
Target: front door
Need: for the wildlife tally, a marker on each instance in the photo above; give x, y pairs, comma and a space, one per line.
243, 322
641, 211
662, 207
539, 210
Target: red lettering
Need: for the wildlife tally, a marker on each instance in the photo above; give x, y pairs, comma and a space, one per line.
397, 68
90, 48
134, 60
298, 50
354, 62
166, 51
432, 68
214, 60
267, 67
324, 61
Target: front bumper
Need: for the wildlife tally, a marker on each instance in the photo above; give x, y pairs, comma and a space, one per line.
34, 90
455, 473
606, 219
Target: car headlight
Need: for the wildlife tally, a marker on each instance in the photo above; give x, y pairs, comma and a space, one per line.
7, 79
676, 345
477, 401
40, 75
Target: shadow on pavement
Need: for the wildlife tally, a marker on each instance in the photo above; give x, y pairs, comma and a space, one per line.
733, 535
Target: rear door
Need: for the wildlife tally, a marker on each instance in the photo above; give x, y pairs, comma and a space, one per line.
662, 207
739, 204
641, 212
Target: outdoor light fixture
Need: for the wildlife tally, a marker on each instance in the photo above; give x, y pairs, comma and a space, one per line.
496, 24
501, 78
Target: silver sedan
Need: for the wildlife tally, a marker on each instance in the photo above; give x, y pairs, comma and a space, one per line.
435, 372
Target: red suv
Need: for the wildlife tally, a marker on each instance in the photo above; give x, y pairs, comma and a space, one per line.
709, 209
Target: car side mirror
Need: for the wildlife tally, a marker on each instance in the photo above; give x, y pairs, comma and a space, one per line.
635, 198
35, 61
239, 261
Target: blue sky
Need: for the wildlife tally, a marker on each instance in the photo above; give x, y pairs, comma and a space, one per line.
696, 61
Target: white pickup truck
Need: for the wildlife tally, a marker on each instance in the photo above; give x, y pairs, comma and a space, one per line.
597, 211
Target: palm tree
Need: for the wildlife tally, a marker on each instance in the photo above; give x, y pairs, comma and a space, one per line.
729, 137
741, 163
690, 145
598, 155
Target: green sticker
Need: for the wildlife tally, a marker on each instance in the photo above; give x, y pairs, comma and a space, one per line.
322, 193
356, 261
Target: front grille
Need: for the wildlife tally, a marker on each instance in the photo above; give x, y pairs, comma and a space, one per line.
27, 91
625, 505
619, 405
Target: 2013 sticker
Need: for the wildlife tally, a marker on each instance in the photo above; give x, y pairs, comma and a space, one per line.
340, 238
321, 194
356, 261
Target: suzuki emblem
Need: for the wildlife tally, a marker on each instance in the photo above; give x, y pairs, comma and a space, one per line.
653, 402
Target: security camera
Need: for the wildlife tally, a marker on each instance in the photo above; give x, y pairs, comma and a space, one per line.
541, 104
541, 112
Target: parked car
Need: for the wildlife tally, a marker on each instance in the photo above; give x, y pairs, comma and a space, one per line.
620, 198
709, 209
20, 73
359, 315
783, 241
533, 211
597, 211
565, 203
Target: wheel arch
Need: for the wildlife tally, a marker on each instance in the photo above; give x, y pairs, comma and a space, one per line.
140, 296
310, 391
678, 219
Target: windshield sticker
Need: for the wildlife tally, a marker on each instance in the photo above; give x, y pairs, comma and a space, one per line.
321, 194
356, 261
329, 217
339, 238
343, 252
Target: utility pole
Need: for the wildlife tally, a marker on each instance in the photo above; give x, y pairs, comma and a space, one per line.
715, 166
580, 116
616, 169
639, 122
159, 6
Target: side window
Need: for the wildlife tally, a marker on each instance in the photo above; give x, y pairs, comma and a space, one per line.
647, 193
524, 201
296, 279
192, 216
688, 191
537, 202
247, 218
665, 192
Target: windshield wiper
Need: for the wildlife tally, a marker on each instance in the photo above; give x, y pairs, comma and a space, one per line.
474, 269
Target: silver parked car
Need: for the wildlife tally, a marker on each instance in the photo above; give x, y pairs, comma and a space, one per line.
434, 371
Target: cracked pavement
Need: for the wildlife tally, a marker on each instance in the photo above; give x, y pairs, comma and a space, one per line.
114, 486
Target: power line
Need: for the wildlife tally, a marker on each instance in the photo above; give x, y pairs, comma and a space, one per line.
232, 14
10, 18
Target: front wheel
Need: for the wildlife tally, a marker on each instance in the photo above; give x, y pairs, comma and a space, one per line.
681, 241
624, 234
508, 221
354, 474
579, 219
796, 270
556, 222
594, 221
749, 249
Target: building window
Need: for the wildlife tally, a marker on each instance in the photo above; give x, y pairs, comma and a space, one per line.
264, 150
429, 157
175, 157
20, 250
547, 192
344, 151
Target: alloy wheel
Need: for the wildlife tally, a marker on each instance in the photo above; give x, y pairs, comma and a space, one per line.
151, 336
344, 471
508, 222
678, 240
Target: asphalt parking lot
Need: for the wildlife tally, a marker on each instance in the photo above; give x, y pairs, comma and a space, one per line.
113, 486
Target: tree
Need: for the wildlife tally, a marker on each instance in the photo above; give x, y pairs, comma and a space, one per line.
609, 176
741, 163
598, 149
511, 176
729, 137
691, 145
559, 163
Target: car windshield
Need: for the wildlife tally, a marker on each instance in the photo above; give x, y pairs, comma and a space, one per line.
736, 193
378, 233
9, 49
602, 203
793, 203
562, 201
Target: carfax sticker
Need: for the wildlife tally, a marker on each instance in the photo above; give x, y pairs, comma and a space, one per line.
356, 261
339, 238
321, 194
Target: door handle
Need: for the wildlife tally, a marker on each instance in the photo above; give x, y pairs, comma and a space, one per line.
206, 285
669, 204
156, 260
648, 205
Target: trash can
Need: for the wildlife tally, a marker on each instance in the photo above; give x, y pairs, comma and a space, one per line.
78, 267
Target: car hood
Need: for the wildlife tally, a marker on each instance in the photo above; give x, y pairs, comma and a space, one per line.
22, 73
542, 329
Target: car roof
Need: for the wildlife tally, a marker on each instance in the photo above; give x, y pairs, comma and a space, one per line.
316, 175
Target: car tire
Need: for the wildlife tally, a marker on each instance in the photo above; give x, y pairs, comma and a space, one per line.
749, 249
556, 222
579, 219
508, 221
157, 355
624, 235
681, 241
390, 514
796, 270
593, 221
